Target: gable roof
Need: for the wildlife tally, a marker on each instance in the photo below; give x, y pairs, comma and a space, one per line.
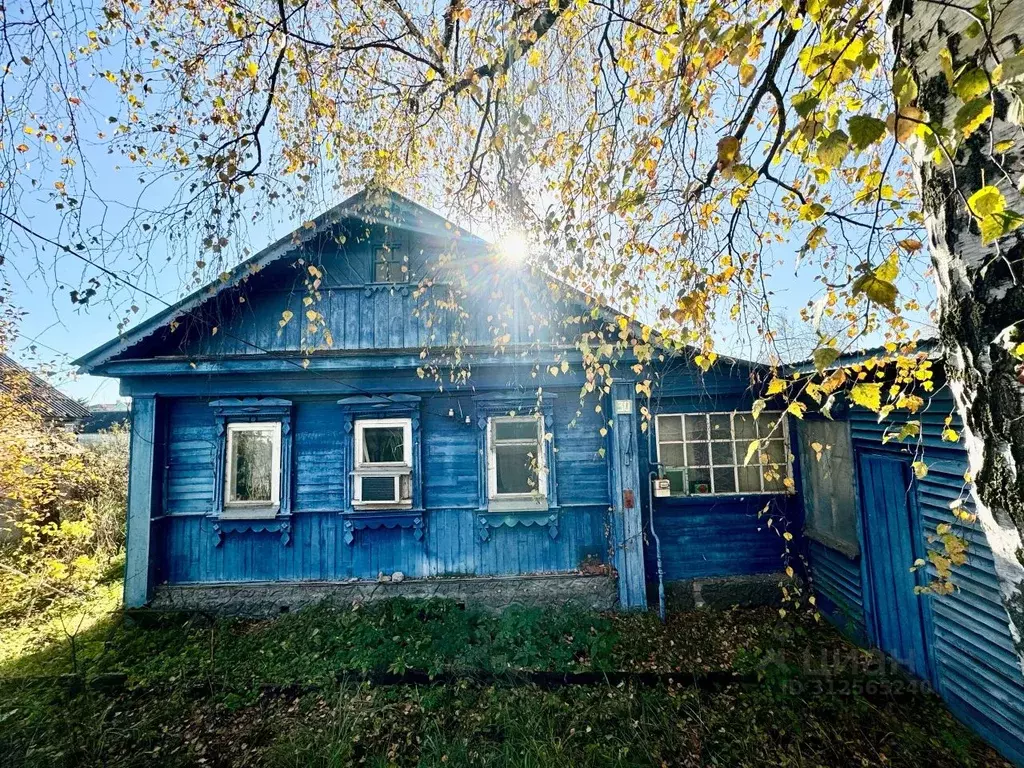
47, 400
368, 204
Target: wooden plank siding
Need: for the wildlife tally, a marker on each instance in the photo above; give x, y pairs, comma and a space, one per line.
976, 669
705, 537
184, 539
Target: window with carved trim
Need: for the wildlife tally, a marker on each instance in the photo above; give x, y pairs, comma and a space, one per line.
515, 457
383, 463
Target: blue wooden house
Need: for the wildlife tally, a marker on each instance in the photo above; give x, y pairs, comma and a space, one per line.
870, 518
376, 405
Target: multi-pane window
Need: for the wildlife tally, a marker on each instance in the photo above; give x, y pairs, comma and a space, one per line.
705, 453
383, 462
390, 265
515, 457
252, 476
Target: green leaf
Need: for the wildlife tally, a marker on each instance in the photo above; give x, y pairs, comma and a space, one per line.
805, 103
865, 131
1009, 70
833, 149
972, 115
867, 396
904, 87
971, 84
946, 61
824, 357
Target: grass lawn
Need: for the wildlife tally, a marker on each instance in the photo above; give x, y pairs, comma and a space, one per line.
293, 692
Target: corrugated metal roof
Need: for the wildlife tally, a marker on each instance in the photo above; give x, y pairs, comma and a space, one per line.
51, 403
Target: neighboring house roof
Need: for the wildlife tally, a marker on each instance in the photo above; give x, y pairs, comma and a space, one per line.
103, 418
929, 347
50, 402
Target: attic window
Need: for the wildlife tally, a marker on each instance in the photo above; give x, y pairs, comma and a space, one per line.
390, 264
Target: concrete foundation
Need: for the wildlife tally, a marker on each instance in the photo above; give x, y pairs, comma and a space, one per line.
597, 593
724, 592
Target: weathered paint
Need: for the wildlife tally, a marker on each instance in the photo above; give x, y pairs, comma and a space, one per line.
975, 665
891, 519
142, 489
627, 527
517, 334
724, 535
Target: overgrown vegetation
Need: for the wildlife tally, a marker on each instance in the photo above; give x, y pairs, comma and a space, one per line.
62, 515
287, 692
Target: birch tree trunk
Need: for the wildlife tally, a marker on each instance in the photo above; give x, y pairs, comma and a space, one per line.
980, 288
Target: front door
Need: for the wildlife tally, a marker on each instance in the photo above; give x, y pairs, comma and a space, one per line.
892, 544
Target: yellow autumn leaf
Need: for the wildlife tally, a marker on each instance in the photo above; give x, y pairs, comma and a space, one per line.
867, 396
728, 151
252, 68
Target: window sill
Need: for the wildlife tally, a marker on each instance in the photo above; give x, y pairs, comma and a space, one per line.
851, 551
381, 506
517, 504
247, 512
704, 498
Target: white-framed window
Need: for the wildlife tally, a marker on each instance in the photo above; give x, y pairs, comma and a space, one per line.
383, 463
252, 471
704, 454
516, 464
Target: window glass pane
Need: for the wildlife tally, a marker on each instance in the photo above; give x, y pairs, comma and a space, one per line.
721, 454
515, 469
524, 429
697, 454
670, 428
677, 483
773, 452
699, 480
377, 488
672, 455
721, 429
768, 425
696, 427
383, 444
774, 480
725, 481
750, 479
252, 468
389, 266
743, 423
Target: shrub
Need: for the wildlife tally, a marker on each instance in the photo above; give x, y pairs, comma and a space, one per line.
62, 506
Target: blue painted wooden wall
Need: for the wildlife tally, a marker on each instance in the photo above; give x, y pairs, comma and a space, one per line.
718, 535
184, 540
975, 666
